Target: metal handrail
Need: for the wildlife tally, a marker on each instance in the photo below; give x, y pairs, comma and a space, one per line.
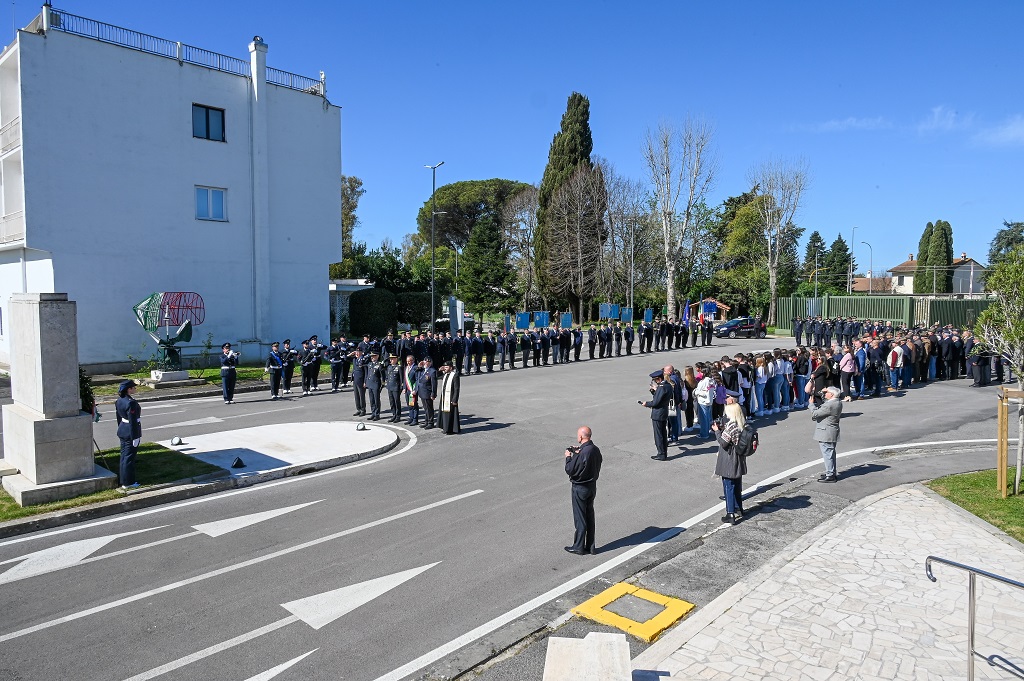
972, 573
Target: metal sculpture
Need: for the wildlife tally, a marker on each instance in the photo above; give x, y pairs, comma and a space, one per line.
181, 309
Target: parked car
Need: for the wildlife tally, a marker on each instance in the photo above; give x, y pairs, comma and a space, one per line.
741, 326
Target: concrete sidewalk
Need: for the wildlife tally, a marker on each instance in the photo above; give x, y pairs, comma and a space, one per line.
850, 600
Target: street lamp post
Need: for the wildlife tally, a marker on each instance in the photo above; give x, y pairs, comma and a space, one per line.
433, 294
871, 265
816, 272
849, 280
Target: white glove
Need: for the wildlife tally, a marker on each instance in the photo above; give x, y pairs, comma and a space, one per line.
136, 441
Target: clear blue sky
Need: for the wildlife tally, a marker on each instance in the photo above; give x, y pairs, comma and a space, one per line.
906, 112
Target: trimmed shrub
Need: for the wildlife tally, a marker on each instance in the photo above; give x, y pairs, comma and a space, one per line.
413, 308
372, 311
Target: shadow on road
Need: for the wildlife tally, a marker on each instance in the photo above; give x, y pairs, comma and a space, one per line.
641, 537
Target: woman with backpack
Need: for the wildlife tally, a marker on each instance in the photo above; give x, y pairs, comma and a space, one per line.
732, 461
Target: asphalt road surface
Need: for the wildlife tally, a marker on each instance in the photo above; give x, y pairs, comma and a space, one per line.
380, 569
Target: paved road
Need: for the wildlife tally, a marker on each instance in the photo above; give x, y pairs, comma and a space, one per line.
380, 564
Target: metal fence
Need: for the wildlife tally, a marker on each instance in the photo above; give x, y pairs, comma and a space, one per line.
116, 35
901, 310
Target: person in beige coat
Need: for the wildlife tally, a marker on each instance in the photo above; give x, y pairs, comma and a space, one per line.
826, 431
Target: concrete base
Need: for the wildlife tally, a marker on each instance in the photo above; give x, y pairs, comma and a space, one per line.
28, 494
150, 383
598, 657
161, 375
48, 450
7, 469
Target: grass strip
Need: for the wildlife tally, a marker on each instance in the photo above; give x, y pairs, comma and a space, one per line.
977, 493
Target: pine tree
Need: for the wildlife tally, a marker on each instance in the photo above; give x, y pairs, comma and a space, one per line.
922, 275
838, 262
486, 278
816, 251
571, 146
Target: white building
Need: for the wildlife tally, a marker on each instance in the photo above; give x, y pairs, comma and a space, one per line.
131, 165
967, 276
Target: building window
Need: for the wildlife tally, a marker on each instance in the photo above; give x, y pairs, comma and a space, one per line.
899, 280
208, 123
211, 203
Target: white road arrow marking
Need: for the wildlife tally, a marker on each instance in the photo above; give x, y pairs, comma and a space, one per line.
271, 673
196, 422
59, 557
316, 611
320, 610
219, 527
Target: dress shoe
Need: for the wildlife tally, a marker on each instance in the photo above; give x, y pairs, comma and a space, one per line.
592, 551
659, 458
828, 478
730, 519
570, 549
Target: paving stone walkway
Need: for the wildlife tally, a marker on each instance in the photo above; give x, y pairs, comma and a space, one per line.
851, 600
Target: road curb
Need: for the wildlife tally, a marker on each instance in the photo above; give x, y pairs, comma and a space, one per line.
210, 483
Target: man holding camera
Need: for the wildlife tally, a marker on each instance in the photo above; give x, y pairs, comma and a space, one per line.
826, 432
658, 404
583, 466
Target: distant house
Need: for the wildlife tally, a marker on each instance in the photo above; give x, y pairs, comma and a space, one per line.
967, 273
876, 285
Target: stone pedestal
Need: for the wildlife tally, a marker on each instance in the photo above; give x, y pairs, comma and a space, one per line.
46, 435
160, 376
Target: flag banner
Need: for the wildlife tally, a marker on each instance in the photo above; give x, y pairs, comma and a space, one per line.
604, 311
710, 308
686, 313
541, 319
614, 312
522, 320
649, 315
507, 325
627, 315
566, 320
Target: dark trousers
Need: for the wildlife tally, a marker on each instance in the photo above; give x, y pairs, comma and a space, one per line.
661, 437
693, 338
477, 359
536, 357
374, 402
583, 516
565, 354
733, 492
307, 379
127, 462
951, 369
556, 353
428, 411
629, 347
289, 371
345, 365
798, 335
275, 382
592, 347
314, 374
227, 384
336, 381
460, 361
395, 403
544, 354
618, 347
360, 393
490, 363
526, 356
576, 352
502, 358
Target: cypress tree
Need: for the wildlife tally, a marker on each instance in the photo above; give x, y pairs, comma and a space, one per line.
940, 260
947, 234
571, 146
922, 275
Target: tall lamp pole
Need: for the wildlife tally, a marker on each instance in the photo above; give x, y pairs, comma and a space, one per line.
816, 272
433, 294
871, 274
849, 281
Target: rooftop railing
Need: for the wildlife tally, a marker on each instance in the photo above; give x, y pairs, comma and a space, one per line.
116, 35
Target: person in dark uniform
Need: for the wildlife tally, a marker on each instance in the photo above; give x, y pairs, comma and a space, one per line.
577, 343
629, 334
393, 384
545, 346
129, 431
554, 335
274, 367
426, 391
709, 330
694, 328
502, 350
345, 349
228, 375
536, 341
336, 358
359, 362
374, 382
565, 344
288, 357
478, 352
604, 342
680, 331
798, 330
583, 466
314, 366
658, 404
526, 344
592, 339
305, 360
459, 347
617, 336
490, 348
511, 345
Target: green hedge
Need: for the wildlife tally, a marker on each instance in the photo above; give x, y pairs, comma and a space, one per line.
413, 308
372, 311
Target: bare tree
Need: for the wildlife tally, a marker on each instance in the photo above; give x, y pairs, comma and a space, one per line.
680, 163
628, 226
575, 246
781, 185
519, 217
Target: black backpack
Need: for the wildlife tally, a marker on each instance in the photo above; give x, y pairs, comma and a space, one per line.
746, 445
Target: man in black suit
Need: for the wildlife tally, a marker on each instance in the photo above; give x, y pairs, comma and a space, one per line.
592, 339
583, 466
426, 391
630, 335
658, 404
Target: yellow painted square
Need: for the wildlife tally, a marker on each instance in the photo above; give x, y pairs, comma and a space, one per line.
594, 609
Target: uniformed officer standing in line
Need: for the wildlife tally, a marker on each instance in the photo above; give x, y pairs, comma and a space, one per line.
604, 341
617, 337
426, 390
694, 328
228, 375
359, 362
393, 383
374, 381
305, 357
526, 345
490, 348
565, 344
554, 336
577, 343
478, 352
288, 357
629, 334
798, 329
658, 404
314, 368
129, 431
274, 367
467, 351
336, 359
459, 348
545, 345
592, 340
502, 350
511, 342
709, 330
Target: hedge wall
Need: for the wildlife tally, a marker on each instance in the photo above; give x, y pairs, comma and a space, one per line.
372, 311
413, 308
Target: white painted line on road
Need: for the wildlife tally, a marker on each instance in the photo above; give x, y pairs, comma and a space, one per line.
58, 557
271, 673
317, 611
196, 422
216, 497
221, 527
524, 609
257, 413
229, 568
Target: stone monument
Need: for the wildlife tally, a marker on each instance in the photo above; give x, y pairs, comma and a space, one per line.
47, 436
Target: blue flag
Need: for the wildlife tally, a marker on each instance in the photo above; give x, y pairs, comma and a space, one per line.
686, 312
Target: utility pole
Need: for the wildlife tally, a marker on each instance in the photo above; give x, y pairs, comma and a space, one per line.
815, 272
433, 294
